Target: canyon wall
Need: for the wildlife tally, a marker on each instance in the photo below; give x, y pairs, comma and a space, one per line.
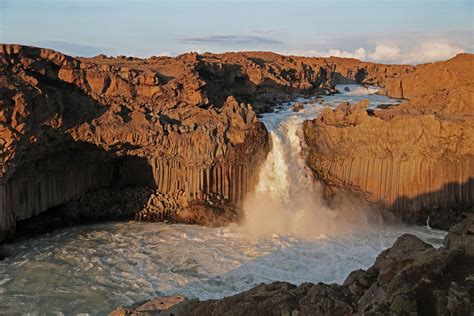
416, 159
186, 124
70, 127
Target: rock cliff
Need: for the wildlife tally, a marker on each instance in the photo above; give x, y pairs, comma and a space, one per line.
416, 159
186, 125
71, 126
177, 125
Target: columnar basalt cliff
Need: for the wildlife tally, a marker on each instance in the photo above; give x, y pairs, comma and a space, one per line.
69, 127
183, 126
416, 159
179, 125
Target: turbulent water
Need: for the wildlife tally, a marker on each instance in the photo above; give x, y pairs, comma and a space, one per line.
287, 193
92, 269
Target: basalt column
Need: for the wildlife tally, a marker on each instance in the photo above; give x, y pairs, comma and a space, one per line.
231, 182
416, 165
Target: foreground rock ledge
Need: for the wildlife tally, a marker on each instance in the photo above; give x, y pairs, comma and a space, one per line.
410, 278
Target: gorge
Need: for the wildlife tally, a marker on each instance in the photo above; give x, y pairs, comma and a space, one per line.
215, 139
181, 125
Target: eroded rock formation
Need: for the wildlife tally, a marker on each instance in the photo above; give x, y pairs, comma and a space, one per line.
73, 125
132, 202
416, 159
69, 127
177, 125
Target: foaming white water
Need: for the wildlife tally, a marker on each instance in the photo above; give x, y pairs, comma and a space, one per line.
93, 269
353, 89
287, 199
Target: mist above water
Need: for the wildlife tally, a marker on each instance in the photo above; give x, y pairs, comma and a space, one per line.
288, 200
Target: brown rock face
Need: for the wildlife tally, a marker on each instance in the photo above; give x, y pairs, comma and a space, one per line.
70, 126
153, 306
177, 125
416, 159
426, 79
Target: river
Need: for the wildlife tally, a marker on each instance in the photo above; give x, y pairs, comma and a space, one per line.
289, 235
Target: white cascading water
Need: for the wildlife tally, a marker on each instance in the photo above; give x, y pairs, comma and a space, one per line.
93, 269
288, 200
360, 90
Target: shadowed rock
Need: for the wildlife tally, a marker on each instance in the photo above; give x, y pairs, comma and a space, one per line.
74, 125
184, 124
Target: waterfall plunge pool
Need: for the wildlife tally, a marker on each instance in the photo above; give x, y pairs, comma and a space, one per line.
96, 268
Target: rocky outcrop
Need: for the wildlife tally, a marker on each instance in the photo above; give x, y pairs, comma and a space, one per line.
461, 235
298, 106
426, 79
70, 127
73, 125
410, 278
416, 159
131, 202
153, 306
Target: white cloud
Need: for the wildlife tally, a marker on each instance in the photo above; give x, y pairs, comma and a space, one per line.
385, 52
359, 53
166, 54
431, 51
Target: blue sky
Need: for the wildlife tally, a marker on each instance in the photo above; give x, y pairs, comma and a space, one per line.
409, 31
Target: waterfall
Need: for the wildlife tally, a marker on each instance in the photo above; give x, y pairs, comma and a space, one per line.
287, 199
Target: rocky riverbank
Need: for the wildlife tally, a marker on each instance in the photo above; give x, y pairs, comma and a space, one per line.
131, 203
410, 278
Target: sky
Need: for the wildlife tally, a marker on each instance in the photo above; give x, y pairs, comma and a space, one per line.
386, 31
